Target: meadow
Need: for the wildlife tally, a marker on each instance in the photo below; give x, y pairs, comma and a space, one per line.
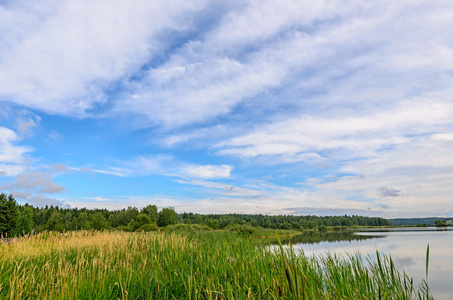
187, 265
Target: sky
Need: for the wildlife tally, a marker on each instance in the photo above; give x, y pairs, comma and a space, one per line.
270, 107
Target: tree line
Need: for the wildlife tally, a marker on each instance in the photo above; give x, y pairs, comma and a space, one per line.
18, 219
219, 221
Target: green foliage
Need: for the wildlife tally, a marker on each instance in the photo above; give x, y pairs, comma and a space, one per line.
151, 211
148, 227
283, 221
99, 222
441, 223
84, 221
142, 219
8, 214
244, 229
24, 223
214, 224
187, 227
123, 228
55, 222
167, 216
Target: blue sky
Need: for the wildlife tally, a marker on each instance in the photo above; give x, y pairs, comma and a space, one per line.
287, 107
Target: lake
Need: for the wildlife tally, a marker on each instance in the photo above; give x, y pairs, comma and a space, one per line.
407, 246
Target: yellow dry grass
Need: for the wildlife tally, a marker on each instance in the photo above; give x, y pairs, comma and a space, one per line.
51, 263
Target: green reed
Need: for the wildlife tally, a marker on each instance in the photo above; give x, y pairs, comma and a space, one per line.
193, 265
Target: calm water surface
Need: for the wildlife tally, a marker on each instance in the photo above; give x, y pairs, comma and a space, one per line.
406, 246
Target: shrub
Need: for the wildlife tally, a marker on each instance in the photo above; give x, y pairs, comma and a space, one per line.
148, 227
244, 229
187, 227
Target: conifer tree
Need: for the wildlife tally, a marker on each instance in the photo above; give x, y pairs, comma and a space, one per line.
8, 214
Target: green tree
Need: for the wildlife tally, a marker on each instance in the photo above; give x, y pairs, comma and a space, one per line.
167, 216
214, 224
67, 221
99, 222
24, 223
441, 223
151, 211
55, 222
142, 219
39, 217
8, 214
83, 221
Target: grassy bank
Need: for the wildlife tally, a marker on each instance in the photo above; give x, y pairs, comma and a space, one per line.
191, 265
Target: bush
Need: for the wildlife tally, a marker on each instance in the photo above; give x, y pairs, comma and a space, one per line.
148, 227
187, 227
214, 224
245, 229
122, 228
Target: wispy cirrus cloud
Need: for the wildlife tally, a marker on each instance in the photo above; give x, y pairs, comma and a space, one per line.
169, 166
223, 188
347, 137
63, 169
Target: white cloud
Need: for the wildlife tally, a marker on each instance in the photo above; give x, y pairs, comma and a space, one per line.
318, 54
63, 169
64, 57
100, 199
41, 201
13, 157
55, 135
60, 57
225, 189
144, 165
207, 171
25, 122
412, 179
168, 166
344, 137
9, 152
388, 192
39, 182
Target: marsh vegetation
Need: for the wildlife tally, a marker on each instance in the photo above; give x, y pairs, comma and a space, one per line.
186, 265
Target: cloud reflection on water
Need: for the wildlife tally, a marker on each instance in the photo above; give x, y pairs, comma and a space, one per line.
407, 248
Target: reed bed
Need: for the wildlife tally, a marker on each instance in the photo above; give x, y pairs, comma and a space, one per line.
194, 265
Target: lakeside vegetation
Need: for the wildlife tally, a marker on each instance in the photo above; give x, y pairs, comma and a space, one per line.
24, 219
187, 265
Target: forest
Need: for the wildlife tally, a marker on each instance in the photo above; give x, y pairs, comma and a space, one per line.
16, 219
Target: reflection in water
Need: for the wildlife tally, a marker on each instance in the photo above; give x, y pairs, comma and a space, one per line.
407, 248
405, 262
314, 237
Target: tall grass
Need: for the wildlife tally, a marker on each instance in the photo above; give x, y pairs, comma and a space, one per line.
194, 265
